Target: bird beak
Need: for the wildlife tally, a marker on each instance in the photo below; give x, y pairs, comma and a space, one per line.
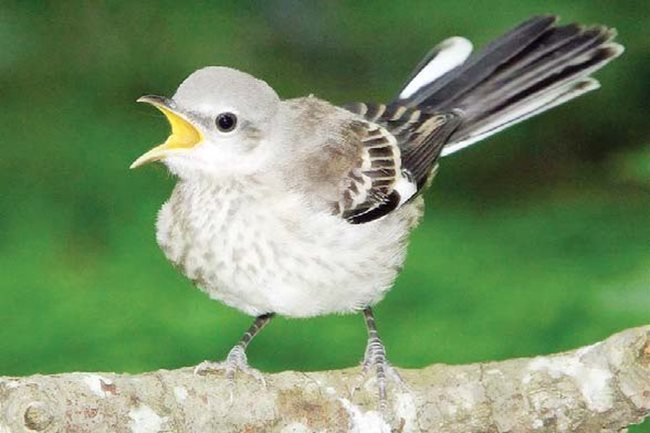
184, 135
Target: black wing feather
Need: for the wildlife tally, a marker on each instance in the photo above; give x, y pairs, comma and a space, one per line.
404, 144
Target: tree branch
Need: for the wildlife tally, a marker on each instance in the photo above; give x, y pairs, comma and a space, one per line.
600, 388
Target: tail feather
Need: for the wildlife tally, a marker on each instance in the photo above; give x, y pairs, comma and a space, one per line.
556, 46
483, 64
519, 112
490, 113
530, 69
443, 58
539, 67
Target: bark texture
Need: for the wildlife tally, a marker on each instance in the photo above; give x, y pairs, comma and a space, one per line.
600, 388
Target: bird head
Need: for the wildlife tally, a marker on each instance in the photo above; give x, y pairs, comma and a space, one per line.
220, 119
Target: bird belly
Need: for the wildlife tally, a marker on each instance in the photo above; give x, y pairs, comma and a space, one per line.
268, 254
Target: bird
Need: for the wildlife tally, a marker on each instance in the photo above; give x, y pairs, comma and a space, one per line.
301, 208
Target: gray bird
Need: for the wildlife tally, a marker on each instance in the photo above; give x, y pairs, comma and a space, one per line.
301, 208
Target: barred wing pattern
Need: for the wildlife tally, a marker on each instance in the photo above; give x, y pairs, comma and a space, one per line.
399, 147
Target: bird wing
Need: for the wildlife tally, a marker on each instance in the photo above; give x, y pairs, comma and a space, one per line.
398, 152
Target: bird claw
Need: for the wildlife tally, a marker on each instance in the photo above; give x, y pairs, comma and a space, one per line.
236, 360
375, 357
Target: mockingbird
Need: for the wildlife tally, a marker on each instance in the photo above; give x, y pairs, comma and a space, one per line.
301, 208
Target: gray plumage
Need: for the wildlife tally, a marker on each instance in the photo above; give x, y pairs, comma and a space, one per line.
301, 208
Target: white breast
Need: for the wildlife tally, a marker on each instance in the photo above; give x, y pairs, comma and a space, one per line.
262, 251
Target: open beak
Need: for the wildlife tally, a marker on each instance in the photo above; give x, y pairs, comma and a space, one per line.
184, 135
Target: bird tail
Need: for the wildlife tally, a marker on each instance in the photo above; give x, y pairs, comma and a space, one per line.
532, 68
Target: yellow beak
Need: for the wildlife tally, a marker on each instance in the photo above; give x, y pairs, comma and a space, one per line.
184, 135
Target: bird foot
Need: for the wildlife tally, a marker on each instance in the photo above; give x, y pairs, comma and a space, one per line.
236, 360
375, 358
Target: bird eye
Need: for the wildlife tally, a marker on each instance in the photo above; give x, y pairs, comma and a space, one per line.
226, 122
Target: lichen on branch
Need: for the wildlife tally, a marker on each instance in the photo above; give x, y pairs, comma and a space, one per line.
604, 387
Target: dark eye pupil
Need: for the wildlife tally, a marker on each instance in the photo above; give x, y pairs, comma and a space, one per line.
226, 122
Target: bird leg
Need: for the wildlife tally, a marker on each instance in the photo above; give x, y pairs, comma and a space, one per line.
375, 356
236, 359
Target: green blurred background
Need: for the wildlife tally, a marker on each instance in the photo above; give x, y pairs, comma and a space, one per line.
536, 241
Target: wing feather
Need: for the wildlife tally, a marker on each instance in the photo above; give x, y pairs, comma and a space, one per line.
398, 152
